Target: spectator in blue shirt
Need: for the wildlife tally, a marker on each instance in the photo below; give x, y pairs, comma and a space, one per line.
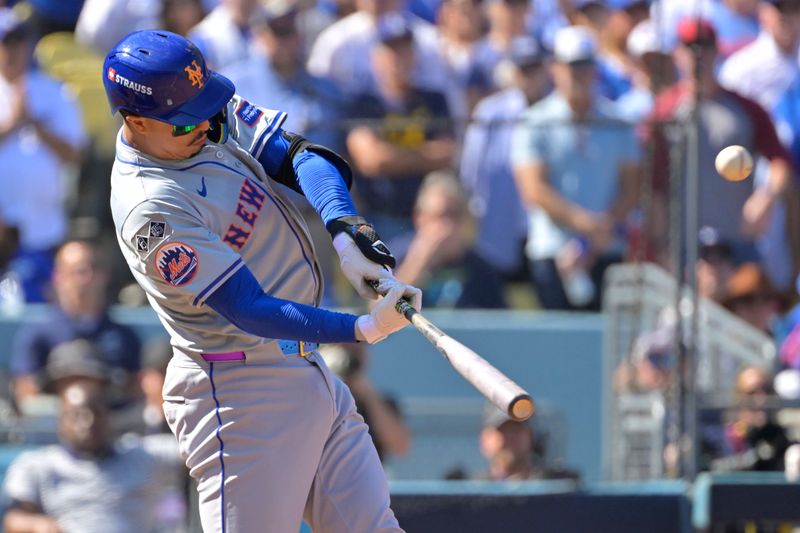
80, 279
494, 201
576, 165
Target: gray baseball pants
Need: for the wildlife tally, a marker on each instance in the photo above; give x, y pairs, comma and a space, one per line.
273, 440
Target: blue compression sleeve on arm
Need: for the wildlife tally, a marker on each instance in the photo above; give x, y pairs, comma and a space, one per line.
319, 180
242, 301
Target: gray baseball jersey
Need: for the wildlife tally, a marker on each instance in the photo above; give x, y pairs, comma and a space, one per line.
185, 227
274, 436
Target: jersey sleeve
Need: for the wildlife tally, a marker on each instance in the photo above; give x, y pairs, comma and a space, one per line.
179, 256
252, 126
20, 484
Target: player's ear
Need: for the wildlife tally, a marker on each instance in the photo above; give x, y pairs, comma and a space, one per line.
135, 122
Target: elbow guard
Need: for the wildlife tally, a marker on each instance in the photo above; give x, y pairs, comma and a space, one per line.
298, 143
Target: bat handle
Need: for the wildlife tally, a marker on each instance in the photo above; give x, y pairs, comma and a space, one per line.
403, 306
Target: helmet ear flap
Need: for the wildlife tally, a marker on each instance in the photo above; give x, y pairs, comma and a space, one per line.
218, 129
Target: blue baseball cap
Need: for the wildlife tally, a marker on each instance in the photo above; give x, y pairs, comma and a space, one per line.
394, 27
526, 52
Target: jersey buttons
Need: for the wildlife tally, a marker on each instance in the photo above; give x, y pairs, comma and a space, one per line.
219, 154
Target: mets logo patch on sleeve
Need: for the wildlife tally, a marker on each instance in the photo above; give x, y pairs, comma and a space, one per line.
248, 113
177, 263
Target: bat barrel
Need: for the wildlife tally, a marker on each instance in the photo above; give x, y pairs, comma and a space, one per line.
521, 407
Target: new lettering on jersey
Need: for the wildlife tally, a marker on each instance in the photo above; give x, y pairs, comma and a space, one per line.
249, 113
251, 200
177, 262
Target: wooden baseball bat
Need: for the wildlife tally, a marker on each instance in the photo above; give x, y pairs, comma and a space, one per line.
493, 384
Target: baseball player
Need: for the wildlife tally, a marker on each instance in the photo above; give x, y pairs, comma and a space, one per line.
268, 433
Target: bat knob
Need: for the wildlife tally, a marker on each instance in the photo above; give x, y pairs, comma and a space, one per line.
521, 408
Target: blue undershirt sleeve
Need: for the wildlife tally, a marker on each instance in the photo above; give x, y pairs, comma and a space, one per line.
242, 301
315, 176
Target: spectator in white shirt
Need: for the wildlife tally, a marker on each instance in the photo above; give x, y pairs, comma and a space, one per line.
224, 36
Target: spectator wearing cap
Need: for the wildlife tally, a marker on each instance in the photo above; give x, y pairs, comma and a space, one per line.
653, 70
740, 211
505, 22
494, 202
513, 451
610, 23
275, 75
576, 165
438, 254
88, 482
41, 138
405, 131
80, 279
341, 53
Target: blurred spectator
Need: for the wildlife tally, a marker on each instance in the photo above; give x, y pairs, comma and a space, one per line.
87, 483
80, 278
406, 134
739, 210
146, 415
437, 256
224, 35
715, 265
750, 296
102, 23
460, 25
623, 16
651, 365
341, 53
381, 413
766, 68
753, 439
494, 200
612, 77
180, 16
653, 70
275, 77
512, 450
506, 21
576, 166
41, 134
545, 19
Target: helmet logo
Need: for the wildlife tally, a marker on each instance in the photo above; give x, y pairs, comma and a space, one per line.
111, 73
195, 74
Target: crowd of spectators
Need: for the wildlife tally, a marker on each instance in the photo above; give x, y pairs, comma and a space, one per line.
496, 143
552, 115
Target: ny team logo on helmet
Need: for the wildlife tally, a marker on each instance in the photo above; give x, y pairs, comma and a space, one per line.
161, 75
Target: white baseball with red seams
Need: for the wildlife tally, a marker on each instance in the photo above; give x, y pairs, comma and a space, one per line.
734, 163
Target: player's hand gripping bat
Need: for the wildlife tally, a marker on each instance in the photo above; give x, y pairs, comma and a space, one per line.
493, 384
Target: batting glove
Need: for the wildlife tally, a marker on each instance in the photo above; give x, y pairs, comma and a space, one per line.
384, 319
362, 254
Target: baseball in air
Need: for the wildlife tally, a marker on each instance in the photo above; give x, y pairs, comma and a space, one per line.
734, 163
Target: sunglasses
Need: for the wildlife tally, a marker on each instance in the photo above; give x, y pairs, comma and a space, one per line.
180, 131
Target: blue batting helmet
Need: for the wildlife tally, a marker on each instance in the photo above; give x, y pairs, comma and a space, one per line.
161, 75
